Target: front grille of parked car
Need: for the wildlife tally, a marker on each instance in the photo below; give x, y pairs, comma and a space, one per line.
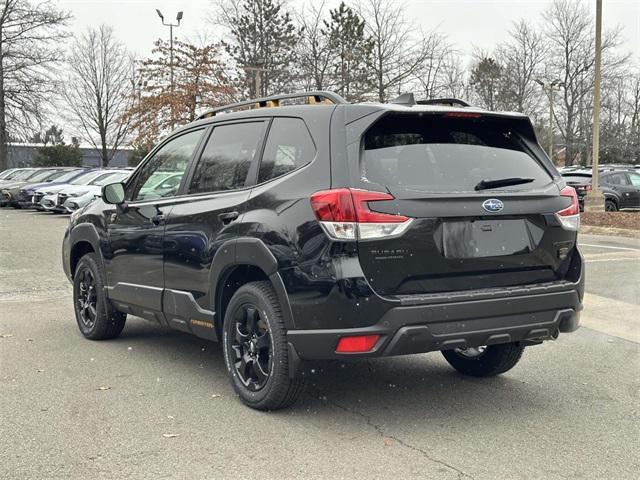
37, 197
62, 198
22, 196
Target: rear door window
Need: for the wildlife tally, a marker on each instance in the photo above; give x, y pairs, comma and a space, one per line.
616, 179
432, 153
226, 158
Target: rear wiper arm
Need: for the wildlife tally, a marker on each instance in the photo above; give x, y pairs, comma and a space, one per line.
502, 182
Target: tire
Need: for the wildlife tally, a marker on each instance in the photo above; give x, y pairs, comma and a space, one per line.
255, 349
96, 317
610, 206
494, 360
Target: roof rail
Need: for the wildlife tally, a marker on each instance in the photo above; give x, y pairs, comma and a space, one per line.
313, 98
452, 102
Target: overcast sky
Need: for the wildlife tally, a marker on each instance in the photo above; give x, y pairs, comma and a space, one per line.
467, 23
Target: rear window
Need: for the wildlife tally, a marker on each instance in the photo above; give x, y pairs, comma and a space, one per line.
577, 178
439, 154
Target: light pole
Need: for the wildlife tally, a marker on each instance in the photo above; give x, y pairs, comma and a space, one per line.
594, 201
549, 88
170, 25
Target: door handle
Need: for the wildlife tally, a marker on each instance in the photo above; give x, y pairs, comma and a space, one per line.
228, 217
158, 219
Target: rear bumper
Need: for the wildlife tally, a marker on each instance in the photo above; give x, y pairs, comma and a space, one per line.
444, 326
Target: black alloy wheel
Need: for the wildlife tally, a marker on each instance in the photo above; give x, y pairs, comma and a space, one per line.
256, 351
252, 347
87, 299
95, 316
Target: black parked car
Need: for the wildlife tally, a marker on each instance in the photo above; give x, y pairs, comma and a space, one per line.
620, 186
331, 230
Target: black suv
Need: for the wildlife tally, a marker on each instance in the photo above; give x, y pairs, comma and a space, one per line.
620, 186
308, 228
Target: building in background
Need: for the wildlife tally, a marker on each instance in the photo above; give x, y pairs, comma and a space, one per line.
22, 155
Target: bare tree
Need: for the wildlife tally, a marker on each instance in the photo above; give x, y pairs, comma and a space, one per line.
400, 49
314, 48
433, 75
454, 76
523, 56
570, 34
98, 89
30, 36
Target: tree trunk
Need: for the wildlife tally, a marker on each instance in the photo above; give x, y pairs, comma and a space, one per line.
4, 157
104, 153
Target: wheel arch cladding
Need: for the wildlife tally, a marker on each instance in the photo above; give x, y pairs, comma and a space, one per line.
242, 261
84, 239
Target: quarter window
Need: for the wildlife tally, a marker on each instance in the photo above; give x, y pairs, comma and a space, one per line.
170, 162
289, 147
226, 159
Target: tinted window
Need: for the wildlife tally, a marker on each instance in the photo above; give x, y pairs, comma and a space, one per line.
289, 146
67, 176
439, 154
85, 178
615, 179
41, 175
577, 178
635, 179
226, 159
171, 159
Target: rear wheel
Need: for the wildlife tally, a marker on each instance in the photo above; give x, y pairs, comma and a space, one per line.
485, 361
255, 349
610, 206
97, 319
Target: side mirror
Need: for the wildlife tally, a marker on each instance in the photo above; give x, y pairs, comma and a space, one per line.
113, 193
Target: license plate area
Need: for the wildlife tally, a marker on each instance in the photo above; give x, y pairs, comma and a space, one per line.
486, 238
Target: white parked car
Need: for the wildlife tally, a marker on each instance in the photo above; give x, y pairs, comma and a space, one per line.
81, 196
53, 198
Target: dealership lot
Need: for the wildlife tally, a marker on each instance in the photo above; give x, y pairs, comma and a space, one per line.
157, 403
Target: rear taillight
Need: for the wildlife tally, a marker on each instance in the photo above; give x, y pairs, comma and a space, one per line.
344, 214
570, 217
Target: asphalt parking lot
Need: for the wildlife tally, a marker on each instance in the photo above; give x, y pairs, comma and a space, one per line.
156, 403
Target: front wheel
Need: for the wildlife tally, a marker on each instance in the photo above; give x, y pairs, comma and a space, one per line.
255, 349
610, 206
485, 361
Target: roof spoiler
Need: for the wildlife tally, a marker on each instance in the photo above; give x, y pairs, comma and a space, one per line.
409, 100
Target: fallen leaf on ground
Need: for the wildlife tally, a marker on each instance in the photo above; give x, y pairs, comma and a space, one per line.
39, 370
388, 441
6, 335
104, 388
170, 435
216, 395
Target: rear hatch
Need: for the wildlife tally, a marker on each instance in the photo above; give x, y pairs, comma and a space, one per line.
480, 199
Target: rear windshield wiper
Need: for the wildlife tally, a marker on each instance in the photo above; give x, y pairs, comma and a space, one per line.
502, 182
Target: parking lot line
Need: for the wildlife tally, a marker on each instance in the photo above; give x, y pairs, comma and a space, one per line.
608, 246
